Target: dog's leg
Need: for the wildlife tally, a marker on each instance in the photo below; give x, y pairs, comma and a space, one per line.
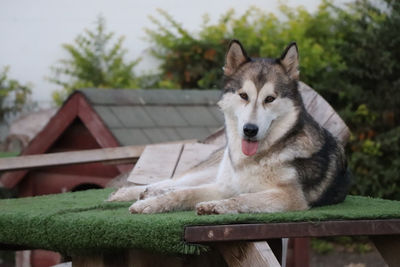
190, 179
127, 193
134, 192
272, 200
179, 199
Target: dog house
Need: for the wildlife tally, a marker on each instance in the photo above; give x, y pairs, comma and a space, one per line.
100, 118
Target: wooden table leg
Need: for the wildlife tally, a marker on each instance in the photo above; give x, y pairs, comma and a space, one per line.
299, 252
255, 254
389, 248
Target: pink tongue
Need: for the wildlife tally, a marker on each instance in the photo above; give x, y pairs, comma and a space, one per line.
249, 148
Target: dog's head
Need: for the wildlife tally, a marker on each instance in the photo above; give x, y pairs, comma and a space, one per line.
258, 93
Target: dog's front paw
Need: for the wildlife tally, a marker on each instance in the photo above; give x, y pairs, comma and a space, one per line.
149, 205
127, 193
204, 208
152, 192
215, 207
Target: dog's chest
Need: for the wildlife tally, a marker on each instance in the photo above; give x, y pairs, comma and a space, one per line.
258, 177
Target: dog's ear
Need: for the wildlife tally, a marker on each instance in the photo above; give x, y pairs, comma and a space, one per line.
235, 57
290, 61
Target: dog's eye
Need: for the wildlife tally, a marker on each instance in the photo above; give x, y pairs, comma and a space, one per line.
244, 96
269, 99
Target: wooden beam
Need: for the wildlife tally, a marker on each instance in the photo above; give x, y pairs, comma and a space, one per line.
74, 157
389, 248
237, 232
111, 155
256, 254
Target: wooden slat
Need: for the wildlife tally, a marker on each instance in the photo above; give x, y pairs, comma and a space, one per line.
74, 157
236, 232
320, 110
307, 94
323, 113
192, 155
255, 254
157, 162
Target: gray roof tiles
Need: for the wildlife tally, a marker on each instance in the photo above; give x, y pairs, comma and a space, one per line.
137, 117
133, 116
151, 96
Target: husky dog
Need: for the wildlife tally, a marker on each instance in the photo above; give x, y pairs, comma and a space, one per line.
277, 158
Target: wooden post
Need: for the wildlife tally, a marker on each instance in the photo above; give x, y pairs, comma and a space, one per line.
255, 254
389, 248
299, 252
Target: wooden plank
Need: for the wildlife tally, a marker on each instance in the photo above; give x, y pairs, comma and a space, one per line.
320, 110
255, 254
344, 135
338, 128
192, 155
323, 113
236, 232
157, 162
299, 252
389, 248
307, 94
73, 157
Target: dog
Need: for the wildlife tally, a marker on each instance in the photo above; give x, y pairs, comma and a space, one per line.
277, 157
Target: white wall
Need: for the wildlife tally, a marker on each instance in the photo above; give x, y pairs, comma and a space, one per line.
32, 31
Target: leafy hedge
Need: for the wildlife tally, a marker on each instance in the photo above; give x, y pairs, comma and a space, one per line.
348, 54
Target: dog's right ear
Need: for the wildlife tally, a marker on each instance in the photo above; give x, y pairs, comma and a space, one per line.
235, 57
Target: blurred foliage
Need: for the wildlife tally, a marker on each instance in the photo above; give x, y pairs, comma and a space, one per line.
93, 61
325, 245
370, 98
349, 54
195, 60
13, 95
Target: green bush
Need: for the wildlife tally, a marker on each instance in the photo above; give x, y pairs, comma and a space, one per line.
370, 103
93, 62
348, 54
13, 95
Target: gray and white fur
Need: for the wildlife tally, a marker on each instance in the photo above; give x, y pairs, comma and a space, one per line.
277, 158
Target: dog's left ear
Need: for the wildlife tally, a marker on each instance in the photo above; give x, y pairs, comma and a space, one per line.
290, 61
235, 57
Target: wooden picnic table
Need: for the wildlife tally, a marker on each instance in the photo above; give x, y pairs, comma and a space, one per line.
255, 244
385, 234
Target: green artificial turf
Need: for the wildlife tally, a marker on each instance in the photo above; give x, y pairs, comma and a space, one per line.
8, 154
80, 222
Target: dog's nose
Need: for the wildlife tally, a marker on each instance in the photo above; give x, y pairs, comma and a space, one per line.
250, 130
